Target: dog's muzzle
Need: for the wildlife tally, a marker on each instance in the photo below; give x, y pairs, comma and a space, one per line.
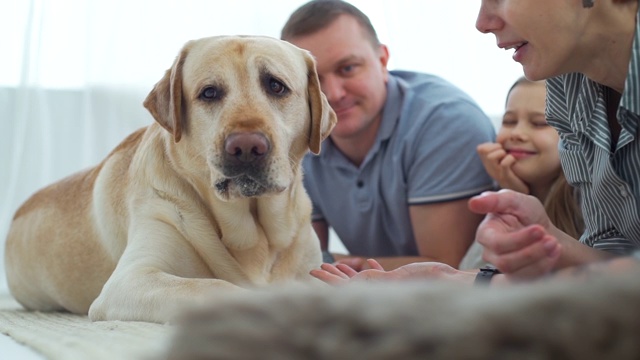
244, 164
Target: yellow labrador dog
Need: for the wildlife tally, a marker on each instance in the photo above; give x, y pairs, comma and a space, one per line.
207, 198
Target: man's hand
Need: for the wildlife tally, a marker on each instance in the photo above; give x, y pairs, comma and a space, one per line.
341, 274
354, 262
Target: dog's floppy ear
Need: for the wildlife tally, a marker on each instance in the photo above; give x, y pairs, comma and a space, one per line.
164, 102
323, 118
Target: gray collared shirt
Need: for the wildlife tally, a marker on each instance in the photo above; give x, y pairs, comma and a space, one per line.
425, 152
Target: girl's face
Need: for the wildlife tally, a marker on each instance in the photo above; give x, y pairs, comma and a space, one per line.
525, 135
548, 36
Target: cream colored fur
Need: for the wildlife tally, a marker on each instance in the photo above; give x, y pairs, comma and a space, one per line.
167, 220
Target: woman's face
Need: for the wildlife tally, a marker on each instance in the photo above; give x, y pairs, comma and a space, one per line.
526, 136
547, 35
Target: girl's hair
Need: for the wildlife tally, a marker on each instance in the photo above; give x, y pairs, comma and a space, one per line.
521, 80
562, 202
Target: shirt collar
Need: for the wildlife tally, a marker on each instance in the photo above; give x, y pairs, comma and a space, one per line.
396, 90
631, 96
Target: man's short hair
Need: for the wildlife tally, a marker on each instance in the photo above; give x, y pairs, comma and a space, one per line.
318, 14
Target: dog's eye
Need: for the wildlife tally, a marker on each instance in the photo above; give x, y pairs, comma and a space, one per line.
276, 87
210, 93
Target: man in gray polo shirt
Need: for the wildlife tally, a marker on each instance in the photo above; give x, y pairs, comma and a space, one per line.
394, 177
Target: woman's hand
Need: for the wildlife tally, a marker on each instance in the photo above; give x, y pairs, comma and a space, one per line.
516, 234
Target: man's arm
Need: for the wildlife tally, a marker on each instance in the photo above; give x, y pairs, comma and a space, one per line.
322, 230
444, 231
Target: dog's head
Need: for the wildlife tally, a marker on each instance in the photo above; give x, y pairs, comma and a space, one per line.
244, 108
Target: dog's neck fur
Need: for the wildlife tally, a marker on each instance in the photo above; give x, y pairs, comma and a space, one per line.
249, 240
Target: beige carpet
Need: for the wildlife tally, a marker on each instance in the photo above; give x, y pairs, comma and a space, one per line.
68, 337
591, 318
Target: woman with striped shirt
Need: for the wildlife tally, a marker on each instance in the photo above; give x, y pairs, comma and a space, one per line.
589, 52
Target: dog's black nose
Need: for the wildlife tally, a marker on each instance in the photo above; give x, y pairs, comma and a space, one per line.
246, 147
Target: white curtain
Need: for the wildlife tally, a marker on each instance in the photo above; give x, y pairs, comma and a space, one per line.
74, 73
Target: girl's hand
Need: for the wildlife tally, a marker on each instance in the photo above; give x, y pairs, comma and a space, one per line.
498, 165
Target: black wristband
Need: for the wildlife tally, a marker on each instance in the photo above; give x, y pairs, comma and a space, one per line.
485, 275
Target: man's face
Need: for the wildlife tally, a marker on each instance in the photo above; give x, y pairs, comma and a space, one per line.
352, 73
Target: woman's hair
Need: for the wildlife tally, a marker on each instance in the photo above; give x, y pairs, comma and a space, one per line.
562, 202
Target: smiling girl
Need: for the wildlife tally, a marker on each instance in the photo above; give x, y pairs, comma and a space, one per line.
525, 157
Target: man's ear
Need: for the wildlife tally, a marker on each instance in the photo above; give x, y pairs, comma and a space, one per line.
164, 102
323, 118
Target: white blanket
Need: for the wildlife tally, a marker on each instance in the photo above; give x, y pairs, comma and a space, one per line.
67, 336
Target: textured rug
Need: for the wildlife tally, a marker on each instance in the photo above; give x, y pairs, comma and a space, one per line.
589, 319
68, 336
